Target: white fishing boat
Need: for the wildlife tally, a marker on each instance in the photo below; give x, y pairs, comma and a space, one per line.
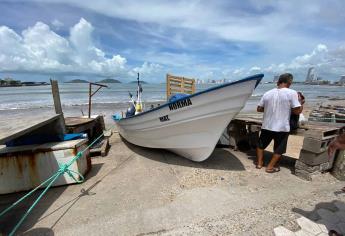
192, 125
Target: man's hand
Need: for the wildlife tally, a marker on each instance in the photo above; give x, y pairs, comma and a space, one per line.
301, 98
297, 110
260, 109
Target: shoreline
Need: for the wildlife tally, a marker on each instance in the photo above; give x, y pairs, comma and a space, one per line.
13, 116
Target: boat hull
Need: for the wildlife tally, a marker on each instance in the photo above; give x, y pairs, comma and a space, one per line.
192, 126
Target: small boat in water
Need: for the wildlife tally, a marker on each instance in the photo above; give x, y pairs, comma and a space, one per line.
189, 126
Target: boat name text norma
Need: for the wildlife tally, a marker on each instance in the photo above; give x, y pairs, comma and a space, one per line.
164, 118
179, 104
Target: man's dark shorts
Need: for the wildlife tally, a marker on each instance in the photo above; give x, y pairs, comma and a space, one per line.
280, 140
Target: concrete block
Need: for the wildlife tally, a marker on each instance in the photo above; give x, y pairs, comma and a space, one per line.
322, 133
305, 174
314, 159
325, 166
309, 226
302, 166
282, 231
303, 233
316, 145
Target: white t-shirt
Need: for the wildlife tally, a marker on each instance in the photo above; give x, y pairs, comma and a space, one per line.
277, 104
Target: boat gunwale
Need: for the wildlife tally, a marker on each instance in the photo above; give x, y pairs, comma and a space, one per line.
257, 77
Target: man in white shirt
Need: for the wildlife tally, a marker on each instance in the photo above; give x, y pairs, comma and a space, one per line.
277, 105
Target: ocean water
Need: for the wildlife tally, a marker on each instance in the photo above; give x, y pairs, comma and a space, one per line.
17, 98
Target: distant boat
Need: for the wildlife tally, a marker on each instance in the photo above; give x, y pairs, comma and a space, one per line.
192, 125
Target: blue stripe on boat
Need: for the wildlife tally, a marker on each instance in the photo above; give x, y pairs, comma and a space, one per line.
257, 77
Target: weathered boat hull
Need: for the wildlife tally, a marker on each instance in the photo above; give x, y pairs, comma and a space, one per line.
190, 126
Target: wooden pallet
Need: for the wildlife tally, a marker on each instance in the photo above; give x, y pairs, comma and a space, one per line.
178, 84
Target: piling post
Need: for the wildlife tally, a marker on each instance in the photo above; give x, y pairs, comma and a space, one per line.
56, 96
90, 95
57, 102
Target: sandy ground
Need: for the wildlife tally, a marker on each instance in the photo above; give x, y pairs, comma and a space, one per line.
140, 191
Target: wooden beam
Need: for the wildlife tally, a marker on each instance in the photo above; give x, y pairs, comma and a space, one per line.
56, 96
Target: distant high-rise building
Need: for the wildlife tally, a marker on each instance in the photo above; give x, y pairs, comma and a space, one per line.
276, 78
342, 80
311, 76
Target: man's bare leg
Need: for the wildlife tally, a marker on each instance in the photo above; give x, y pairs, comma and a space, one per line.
260, 157
273, 162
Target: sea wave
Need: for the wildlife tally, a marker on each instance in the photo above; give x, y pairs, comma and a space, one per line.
21, 106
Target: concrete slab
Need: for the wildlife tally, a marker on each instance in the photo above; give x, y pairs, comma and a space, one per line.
303, 233
313, 159
282, 231
309, 226
316, 145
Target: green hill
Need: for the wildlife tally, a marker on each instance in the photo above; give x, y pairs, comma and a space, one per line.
77, 81
109, 81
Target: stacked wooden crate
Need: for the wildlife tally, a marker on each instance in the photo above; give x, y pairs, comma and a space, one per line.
314, 157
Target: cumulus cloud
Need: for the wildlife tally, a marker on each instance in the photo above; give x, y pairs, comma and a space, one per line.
147, 69
57, 24
325, 61
255, 69
38, 49
230, 20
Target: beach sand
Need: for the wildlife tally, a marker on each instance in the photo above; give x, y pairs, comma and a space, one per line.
141, 191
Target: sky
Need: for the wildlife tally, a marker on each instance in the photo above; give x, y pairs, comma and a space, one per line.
70, 39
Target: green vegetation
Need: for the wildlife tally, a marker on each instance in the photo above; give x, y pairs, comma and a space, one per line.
9, 82
77, 81
109, 81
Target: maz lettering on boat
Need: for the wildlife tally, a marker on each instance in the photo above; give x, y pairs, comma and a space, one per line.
179, 104
164, 118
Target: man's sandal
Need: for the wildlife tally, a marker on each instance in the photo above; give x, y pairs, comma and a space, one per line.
273, 170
